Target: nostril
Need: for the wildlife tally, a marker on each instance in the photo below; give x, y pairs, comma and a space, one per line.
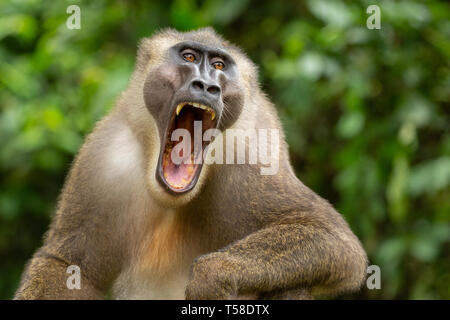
200, 86
197, 85
213, 89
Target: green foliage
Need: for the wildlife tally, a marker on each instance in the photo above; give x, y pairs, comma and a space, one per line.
366, 113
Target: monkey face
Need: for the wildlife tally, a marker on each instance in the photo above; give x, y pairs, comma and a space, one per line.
195, 89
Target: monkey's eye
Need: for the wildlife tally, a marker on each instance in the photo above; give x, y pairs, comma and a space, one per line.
219, 65
188, 56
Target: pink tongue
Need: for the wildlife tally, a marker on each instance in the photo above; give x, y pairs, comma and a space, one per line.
179, 176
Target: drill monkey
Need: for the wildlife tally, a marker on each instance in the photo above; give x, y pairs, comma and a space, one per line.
140, 226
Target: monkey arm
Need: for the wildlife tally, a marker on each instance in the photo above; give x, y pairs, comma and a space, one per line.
292, 258
48, 276
45, 277
83, 233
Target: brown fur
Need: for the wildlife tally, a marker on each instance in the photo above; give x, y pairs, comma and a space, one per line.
164, 246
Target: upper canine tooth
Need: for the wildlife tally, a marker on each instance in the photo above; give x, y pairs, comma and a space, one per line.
179, 107
213, 115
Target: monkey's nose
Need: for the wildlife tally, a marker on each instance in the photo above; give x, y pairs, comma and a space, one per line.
200, 87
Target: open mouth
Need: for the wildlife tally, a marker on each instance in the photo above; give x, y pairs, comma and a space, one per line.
179, 169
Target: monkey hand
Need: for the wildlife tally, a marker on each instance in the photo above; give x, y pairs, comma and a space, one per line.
213, 277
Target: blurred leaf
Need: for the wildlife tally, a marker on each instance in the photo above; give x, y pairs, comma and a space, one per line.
24, 26
332, 12
350, 124
396, 189
430, 177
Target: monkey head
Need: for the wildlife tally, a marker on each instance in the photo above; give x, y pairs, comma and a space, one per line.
194, 86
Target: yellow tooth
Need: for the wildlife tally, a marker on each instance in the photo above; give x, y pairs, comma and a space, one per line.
179, 107
184, 180
196, 105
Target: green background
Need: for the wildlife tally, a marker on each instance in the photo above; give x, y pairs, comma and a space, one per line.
366, 113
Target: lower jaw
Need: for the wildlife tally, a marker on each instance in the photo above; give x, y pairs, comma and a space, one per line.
177, 185
166, 197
